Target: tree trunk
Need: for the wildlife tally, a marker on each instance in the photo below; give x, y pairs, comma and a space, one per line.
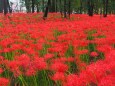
46, 11
80, 6
65, 9
33, 3
105, 2
5, 7
90, 7
42, 5
53, 6
28, 8
56, 8
69, 8
37, 8
61, 8
1, 6
9, 8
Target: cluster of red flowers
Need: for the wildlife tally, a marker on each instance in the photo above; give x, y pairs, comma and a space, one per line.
75, 52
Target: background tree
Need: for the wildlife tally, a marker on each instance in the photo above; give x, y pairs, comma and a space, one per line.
28, 5
47, 9
1, 6
65, 9
5, 5
33, 5
105, 8
90, 4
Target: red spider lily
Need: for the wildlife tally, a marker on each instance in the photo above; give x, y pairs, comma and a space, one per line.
14, 67
58, 76
93, 54
80, 52
61, 59
74, 80
30, 71
59, 67
104, 48
5, 42
107, 81
48, 56
4, 82
5, 50
16, 47
1, 59
39, 63
1, 70
23, 61
29, 50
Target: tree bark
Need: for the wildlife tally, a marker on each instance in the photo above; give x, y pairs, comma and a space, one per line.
80, 6
105, 2
1, 6
61, 8
53, 6
5, 7
46, 11
37, 8
9, 8
69, 8
33, 3
28, 8
90, 7
65, 16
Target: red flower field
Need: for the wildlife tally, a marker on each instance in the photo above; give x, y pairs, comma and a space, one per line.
57, 52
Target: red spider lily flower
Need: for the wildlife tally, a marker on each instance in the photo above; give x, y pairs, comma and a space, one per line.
14, 67
30, 71
58, 76
16, 47
5, 50
29, 50
1, 70
107, 81
48, 56
59, 67
23, 61
93, 54
70, 59
4, 82
38, 46
39, 63
1, 59
4, 43
60, 60
74, 80
80, 52
110, 56
104, 48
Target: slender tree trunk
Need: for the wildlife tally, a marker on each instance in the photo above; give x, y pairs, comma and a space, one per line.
1, 6
69, 8
65, 9
47, 8
27, 4
37, 8
61, 8
56, 9
5, 7
80, 6
43, 5
105, 2
53, 4
90, 7
9, 8
33, 3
